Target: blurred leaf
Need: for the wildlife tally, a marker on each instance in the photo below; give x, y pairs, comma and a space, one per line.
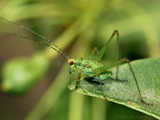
20, 74
147, 73
51, 97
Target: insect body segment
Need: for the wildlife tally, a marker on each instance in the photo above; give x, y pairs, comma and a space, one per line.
88, 67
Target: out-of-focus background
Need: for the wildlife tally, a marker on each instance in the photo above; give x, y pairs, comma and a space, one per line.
34, 78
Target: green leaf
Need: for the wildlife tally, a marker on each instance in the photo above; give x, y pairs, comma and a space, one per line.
147, 72
20, 74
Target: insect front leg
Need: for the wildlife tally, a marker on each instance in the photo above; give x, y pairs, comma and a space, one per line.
77, 81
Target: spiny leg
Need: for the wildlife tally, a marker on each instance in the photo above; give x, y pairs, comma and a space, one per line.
101, 52
105, 97
127, 61
95, 51
97, 57
135, 79
117, 67
77, 81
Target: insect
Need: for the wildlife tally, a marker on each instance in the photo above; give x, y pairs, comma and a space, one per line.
91, 67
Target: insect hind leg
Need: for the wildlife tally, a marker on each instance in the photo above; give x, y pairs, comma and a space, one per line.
135, 79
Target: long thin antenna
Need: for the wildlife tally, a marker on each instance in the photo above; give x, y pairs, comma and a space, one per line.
43, 43
23, 27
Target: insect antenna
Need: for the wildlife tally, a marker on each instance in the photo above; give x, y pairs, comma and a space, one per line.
60, 51
43, 43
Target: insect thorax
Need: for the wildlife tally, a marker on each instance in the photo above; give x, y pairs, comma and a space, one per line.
87, 66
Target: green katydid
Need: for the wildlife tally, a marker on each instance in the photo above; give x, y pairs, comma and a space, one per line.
91, 67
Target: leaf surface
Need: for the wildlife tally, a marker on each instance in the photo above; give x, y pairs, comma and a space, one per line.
147, 72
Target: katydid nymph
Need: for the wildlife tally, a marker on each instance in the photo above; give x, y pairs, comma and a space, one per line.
92, 67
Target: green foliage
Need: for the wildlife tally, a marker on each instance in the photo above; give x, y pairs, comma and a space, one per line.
68, 22
126, 93
20, 74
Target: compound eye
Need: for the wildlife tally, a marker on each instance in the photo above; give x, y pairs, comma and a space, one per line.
71, 63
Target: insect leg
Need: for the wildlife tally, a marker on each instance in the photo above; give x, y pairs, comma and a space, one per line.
99, 55
105, 97
133, 74
77, 81
95, 51
118, 63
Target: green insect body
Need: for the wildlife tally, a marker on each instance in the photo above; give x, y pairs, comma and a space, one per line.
89, 68
92, 67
